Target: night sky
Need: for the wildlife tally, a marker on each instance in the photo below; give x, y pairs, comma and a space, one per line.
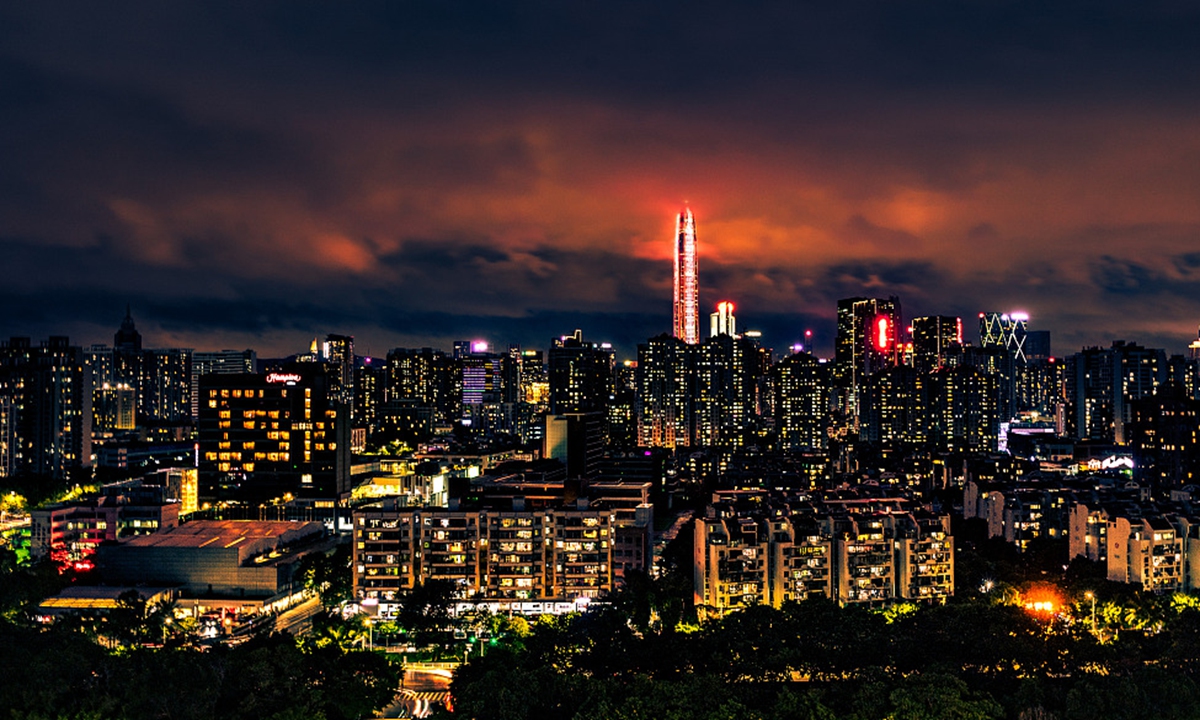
255, 174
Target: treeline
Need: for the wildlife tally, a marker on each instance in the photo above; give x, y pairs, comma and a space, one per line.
818, 661
58, 674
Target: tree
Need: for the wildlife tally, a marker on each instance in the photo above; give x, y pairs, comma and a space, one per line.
328, 575
936, 696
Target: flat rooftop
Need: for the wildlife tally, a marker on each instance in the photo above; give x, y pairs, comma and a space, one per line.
227, 533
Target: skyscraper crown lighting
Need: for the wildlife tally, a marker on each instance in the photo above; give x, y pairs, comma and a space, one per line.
687, 285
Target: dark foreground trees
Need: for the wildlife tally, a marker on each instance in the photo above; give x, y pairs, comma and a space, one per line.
971, 661
57, 673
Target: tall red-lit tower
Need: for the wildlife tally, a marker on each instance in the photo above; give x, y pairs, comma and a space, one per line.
687, 283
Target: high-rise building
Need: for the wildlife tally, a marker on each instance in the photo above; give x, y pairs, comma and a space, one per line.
802, 383
221, 362
426, 377
370, 392
722, 321
963, 415
167, 385
664, 382
338, 351
724, 395
267, 436
1006, 330
577, 440
1164, 434
48, 400
581, 375
1101, 385
932, 336
896, 408
127, 355
867, 341
687, 280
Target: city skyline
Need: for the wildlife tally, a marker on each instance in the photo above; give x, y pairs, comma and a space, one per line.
255, 176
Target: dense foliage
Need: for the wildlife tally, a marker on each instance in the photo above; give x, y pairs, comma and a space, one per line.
976, 659
53, 673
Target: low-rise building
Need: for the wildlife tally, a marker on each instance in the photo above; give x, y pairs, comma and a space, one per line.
217, 562
70, 532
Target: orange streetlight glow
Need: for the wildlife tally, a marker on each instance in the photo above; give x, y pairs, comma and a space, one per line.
1043, 601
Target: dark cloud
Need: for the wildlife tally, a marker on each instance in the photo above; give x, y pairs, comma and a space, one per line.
257, 173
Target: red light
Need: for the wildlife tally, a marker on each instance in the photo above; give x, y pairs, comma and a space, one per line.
883, 326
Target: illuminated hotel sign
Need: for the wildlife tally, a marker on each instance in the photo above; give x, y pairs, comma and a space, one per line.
289, 378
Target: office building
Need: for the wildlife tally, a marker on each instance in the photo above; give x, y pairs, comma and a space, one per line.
577, 440
70, 532
338, 351
1006, 330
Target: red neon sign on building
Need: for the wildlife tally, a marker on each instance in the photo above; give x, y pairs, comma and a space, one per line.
882, 336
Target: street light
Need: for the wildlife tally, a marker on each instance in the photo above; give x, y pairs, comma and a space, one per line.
1092, 596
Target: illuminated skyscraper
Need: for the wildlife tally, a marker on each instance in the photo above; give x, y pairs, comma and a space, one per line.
581, 375
338, 352
931, 337
1101, 385
802, 385
687, 284
45, 408
866, 343
663, 406
1006, 330
722, 321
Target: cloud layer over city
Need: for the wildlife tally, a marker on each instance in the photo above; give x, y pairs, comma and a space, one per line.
254, 174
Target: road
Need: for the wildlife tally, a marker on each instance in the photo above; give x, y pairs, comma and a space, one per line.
421, 688
298, 620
